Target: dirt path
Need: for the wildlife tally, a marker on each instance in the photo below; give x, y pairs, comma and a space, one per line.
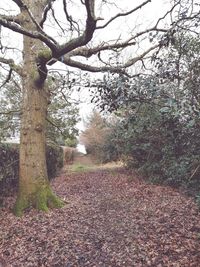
80, 158
112, 219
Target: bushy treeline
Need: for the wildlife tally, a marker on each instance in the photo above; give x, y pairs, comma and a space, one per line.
160, 144
9, 165
157, 129
96, 139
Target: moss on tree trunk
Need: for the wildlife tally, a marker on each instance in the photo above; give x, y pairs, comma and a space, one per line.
40, 198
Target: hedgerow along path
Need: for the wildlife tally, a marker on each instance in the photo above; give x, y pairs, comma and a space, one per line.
111, 218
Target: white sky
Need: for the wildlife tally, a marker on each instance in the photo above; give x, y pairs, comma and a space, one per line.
121, 28
143, 18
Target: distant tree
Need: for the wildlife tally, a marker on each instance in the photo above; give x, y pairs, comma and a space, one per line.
93, 138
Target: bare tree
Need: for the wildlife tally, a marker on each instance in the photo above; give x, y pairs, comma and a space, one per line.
40, 50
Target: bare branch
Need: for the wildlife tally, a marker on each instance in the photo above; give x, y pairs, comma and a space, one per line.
12, 65
10, 112
69, 18
55, 125
123, 14
115, 69
46, 10
149, 30
132, 61
166, 14
87, 34
7, 78
33, 34
16, 19
19, 3
189, 18
39, 28
57, 22
58, 51
88, 52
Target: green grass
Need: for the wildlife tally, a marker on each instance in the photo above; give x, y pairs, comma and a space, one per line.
80, 168
84, 167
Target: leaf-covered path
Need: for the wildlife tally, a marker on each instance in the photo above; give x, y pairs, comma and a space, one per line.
111, 220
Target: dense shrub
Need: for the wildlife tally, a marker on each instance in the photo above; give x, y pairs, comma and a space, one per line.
9, 170
159, 136
71, 142
159, 115
161, 146
54, 156
9, 164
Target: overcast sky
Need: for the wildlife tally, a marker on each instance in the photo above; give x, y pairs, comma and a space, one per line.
121, 28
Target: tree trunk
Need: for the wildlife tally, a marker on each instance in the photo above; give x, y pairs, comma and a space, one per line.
34, 189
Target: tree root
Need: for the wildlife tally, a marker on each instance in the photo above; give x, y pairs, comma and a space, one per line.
42, 199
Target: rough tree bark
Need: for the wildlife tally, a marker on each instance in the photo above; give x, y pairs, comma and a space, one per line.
34, 188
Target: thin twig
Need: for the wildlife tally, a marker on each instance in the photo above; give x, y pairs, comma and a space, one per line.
194, 172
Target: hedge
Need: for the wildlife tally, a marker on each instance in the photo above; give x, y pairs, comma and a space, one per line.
54, 155
9, 165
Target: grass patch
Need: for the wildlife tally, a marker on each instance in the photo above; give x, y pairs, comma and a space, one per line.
84, 167
79, 168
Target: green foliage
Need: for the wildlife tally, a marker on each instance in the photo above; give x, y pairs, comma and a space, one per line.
79, 168
9, 165
71, 142
160, 140
158, 124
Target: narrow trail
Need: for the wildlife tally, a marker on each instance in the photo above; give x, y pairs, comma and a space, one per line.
111, 219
